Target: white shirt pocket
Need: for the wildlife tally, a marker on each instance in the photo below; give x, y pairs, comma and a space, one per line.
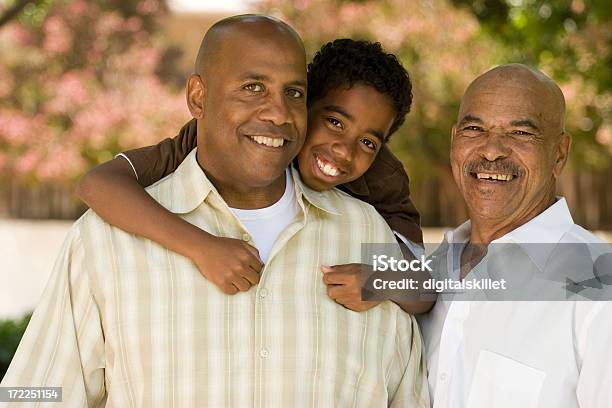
502, 382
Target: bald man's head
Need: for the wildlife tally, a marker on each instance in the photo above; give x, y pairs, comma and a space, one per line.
509, 145
249, 96
522, 76
249, 25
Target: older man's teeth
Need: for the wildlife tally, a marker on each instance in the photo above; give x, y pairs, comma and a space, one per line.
501, 177
269, 141
327, 169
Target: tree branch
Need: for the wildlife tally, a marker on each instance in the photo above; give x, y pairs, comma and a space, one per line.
13, 11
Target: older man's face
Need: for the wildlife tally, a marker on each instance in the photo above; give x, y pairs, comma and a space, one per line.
255, 106
506, 151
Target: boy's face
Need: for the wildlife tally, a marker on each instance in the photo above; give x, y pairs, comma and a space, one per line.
346, 129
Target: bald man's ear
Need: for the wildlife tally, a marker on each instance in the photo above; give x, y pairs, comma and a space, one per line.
196, 96
562, 153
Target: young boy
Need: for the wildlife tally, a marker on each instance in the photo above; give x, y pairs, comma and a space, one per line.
358, 96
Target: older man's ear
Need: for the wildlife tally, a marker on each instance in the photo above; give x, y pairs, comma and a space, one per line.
562, 153
196, 96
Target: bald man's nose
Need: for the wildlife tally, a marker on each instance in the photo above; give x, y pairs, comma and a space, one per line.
494, 147
276, 110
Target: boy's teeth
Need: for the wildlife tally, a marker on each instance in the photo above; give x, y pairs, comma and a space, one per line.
327, 169
269, 141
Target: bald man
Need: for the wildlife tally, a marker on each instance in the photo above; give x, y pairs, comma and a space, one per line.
509, 146
124, 322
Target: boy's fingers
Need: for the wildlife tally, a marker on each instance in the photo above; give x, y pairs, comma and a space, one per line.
251, 276
242, 284
336, 278
255, 253
256, 266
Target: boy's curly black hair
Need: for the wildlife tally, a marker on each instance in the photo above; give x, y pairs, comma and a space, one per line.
345, 62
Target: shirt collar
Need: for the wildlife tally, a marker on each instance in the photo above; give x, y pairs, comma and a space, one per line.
547, 227
320, 199
189, 187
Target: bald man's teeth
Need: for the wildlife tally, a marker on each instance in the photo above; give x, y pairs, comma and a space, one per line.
269, 141
327, 169
500, 177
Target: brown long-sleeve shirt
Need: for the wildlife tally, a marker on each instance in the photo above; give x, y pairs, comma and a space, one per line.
385, 185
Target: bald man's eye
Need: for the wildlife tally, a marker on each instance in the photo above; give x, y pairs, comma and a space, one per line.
472, 128
254, 87
295, 93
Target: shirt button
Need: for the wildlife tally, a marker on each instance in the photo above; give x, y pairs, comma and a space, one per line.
246, 237
263, 293
443, 377
263, 353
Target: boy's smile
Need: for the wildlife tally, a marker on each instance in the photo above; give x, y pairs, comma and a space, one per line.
346, 128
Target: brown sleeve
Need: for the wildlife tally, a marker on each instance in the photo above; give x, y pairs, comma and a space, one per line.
387, 188
152, 163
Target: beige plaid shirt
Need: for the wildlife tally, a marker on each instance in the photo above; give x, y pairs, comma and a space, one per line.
127, 323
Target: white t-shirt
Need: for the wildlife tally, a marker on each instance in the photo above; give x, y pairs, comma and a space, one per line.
266, 224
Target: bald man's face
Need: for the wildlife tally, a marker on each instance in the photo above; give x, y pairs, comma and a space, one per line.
254, 108
507, 151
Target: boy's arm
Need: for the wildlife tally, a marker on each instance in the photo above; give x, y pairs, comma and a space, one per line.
386, 187
113, 192
152, 163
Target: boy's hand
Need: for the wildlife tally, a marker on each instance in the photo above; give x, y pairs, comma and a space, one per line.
344, 286
231, 264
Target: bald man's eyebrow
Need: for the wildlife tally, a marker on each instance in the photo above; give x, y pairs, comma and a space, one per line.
470, 118
338, 109
525, 123
252, 76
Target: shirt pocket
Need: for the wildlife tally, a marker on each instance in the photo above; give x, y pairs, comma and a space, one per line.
502, 382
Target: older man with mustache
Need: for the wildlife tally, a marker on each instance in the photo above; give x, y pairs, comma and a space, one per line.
509, 146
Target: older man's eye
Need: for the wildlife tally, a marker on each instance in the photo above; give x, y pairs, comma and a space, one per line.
369, 144
335, 122
254, 87
295, 93
473, 128
521, 133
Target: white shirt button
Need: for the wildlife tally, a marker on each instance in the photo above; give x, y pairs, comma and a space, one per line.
263, 353
263, 293
443, 377
246, 237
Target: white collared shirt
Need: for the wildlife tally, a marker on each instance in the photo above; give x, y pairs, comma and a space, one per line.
523, 354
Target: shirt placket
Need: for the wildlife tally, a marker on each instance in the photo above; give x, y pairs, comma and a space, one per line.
265, 301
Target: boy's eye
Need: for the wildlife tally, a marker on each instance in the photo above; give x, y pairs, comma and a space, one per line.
335, 122
295, 93
370, 144
254, 87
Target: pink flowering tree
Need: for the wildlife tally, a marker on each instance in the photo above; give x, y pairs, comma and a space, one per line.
445, 44
80, 81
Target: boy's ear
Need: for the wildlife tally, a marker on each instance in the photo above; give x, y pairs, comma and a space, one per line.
196, 96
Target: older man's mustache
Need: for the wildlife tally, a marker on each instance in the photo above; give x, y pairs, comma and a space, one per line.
506, 167
286, 132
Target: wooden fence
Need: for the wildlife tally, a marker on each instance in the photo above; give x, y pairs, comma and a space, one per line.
589, 196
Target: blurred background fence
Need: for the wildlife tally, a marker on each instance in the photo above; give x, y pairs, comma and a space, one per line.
83, 80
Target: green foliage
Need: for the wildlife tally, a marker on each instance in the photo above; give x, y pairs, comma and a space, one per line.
570, 40
11, 332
